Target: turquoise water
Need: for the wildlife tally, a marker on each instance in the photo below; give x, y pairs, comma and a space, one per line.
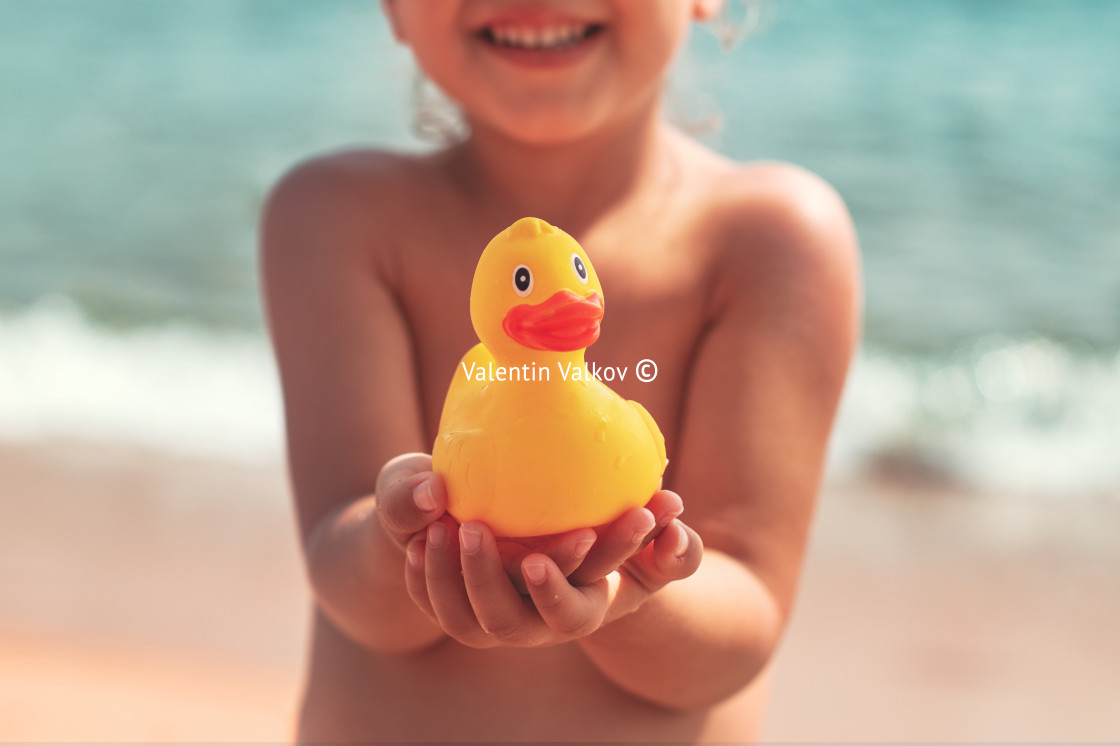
138, 139
974, 140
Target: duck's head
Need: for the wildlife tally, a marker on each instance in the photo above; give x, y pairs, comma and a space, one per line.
535, 296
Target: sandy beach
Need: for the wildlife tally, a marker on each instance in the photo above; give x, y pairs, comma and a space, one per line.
152, 597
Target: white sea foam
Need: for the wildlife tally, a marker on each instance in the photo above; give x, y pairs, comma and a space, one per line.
1017, 415
1024, 416
172, 387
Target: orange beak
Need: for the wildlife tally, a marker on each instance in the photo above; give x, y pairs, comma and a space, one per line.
563, 323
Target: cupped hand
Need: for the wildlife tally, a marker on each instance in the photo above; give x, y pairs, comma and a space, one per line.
410, 496
627, 535
588, 554
458, 576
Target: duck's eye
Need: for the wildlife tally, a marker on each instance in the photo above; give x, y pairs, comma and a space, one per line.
580, 269
522, 280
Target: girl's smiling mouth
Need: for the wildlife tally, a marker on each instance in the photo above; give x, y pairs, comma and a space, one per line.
549, 38
532, 40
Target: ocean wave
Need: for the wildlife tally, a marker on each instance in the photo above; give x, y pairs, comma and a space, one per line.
1026, 416
173, 387
1023, 415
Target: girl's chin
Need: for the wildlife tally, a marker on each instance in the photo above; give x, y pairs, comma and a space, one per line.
543, 126
548, 133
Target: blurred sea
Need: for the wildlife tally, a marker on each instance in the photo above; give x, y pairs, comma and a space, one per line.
976, 142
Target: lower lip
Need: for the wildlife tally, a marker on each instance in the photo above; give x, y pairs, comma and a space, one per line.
545, 58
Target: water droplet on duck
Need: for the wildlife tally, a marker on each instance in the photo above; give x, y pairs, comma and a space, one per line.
601, 429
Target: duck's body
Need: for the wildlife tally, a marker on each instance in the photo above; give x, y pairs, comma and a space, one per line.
535, 457
552, 449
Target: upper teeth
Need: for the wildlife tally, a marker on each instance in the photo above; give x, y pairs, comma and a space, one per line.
539, 38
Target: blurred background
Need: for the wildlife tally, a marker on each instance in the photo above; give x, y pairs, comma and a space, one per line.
965, 578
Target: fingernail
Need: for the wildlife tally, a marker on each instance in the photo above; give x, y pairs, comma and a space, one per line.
470, 539
422, 496
415, 553
583, 547
682, 544
671, 516
437, 535
535, 572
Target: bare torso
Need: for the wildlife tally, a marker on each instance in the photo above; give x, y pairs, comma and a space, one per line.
658, 256
452, 692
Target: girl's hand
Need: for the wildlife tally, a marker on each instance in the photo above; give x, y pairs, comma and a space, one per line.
586, 555
410, 497
628, 535
458, 577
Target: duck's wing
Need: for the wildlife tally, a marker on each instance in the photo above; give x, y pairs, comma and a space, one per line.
654, 431
473, 450
462, 382
466, 449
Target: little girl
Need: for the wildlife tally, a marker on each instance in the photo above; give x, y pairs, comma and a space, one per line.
740, 281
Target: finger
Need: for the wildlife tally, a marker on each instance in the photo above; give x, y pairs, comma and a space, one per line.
444, 578
616, 542
500, 609
568, 611
675, 554
410, 503
414, 579
402, 466
665, 505
567, 550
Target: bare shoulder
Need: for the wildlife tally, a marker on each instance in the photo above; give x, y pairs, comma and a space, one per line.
342, 208
782, 215
785, 234
350, 185
350, 172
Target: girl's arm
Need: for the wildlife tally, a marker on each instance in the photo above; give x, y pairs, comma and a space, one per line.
763, 392
350, 395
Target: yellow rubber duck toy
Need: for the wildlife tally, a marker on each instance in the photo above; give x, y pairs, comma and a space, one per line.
529, 442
